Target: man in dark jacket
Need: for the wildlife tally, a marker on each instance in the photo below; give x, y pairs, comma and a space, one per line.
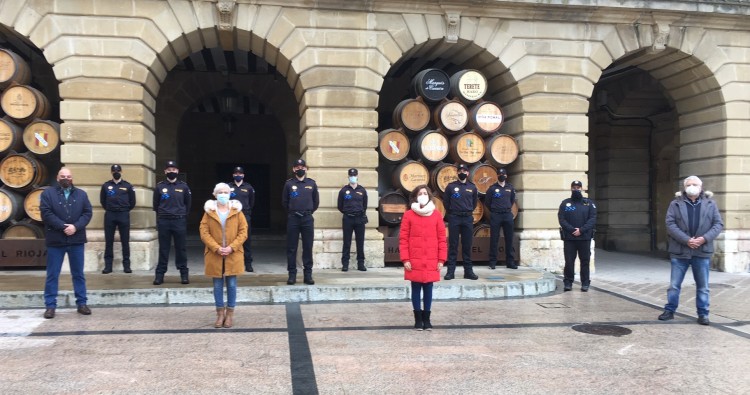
117, 197
577, 217
693, 222
66, 211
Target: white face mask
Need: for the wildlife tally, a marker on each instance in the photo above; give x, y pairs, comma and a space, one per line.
353, 179
223, 198
693, 190
423, 200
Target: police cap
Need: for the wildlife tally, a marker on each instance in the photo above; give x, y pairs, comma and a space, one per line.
502, 171
116, 168
238, 169
462, 166
170, 163
353, 172
300, 162
576, 183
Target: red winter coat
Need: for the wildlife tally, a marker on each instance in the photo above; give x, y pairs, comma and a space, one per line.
422, 242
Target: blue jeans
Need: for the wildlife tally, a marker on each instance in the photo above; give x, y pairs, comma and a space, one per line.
231, 291
700, 268
55, 256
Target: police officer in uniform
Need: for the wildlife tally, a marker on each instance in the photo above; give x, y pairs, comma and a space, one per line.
499, 200
245, 193
172, 200
117, 197
300, 198
460, 199
352, 203
577, 216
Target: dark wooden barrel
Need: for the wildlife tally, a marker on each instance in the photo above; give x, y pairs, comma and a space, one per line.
431, 84
483, 176
411, 115
393, 145
452, 116
24, 230
31, 203
485, 118
441, 175
392, 207
22, 171
501, 150
11, 206
11, 136
24, 104
468, 86
481, 230
409, 175
466, 148
42, 137
478, 213
430, 147
13, 69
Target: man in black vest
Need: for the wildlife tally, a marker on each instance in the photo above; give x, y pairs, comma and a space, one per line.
460, 199
499, 200
577, 217
172, 199
352, 202
300, 198
245, 193
117, 197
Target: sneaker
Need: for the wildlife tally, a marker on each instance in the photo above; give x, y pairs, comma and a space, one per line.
703, 320
666, 316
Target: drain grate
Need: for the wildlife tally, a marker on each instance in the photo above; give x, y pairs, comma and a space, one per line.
602, 330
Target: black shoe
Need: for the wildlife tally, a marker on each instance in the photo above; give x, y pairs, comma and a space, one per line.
584, 288
308, 279
83, 309
449, 276
492, 266
666, 316
249, 268
361, 267
159, 279
184, 279
127, 270
471, 276
292, 279
511, 266
107, 270
49, 313
345, 268
703, 320
568, 287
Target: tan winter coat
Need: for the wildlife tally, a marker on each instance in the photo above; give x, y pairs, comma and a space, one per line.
236, 234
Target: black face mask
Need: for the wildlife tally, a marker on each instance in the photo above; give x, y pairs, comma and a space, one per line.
116, 176
171, 176
462, 176
299, 172
239, 178
576, 195
502, 177
65, 183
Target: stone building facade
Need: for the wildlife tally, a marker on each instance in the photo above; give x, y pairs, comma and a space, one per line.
629, 100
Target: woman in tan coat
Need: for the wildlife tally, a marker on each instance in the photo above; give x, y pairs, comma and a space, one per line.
223, 230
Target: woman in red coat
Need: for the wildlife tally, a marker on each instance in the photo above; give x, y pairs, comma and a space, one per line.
423, 251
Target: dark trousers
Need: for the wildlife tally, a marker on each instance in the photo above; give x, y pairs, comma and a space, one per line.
460, 226
582, 248
356, 225
121, 221
502, 221
296, 226
168, 229
246, 245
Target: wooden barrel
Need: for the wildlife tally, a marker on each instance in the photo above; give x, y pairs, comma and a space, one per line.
452, 116
468, 86
501, 150
11, 136
485, 118
22, 171
24, 103
409, 175
478, 213
392, 207
431, 84
439, 205
42, 137
11, 206
411, 115
393, 145
24, 230
481, 230
483, 176
430, 147
31, 203
441, 175
13, 69
466, 148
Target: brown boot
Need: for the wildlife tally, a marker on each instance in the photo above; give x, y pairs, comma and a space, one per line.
229, 317
219, 317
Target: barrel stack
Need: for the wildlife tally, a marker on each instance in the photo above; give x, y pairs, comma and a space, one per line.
444, 121
29, 149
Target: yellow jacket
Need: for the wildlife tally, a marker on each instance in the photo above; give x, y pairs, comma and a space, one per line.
211, 235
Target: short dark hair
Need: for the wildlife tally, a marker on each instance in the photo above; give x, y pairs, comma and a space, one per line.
415, 191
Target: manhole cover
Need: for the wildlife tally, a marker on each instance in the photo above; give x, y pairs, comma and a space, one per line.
602, 330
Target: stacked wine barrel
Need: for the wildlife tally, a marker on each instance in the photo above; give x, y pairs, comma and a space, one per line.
29, 144
445, 122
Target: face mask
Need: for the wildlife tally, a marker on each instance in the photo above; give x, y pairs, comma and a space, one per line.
353, 179
64, 183
300, 172
502, 177
462, 176
423, 200
171, 176
576, 195
223, 198
116, 176
239, 178
693, 190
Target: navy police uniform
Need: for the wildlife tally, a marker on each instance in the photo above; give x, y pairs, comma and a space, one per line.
575, 213
499, 199
245, 193
460, 199
300, 198
352, 203
117, 198
172, 204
